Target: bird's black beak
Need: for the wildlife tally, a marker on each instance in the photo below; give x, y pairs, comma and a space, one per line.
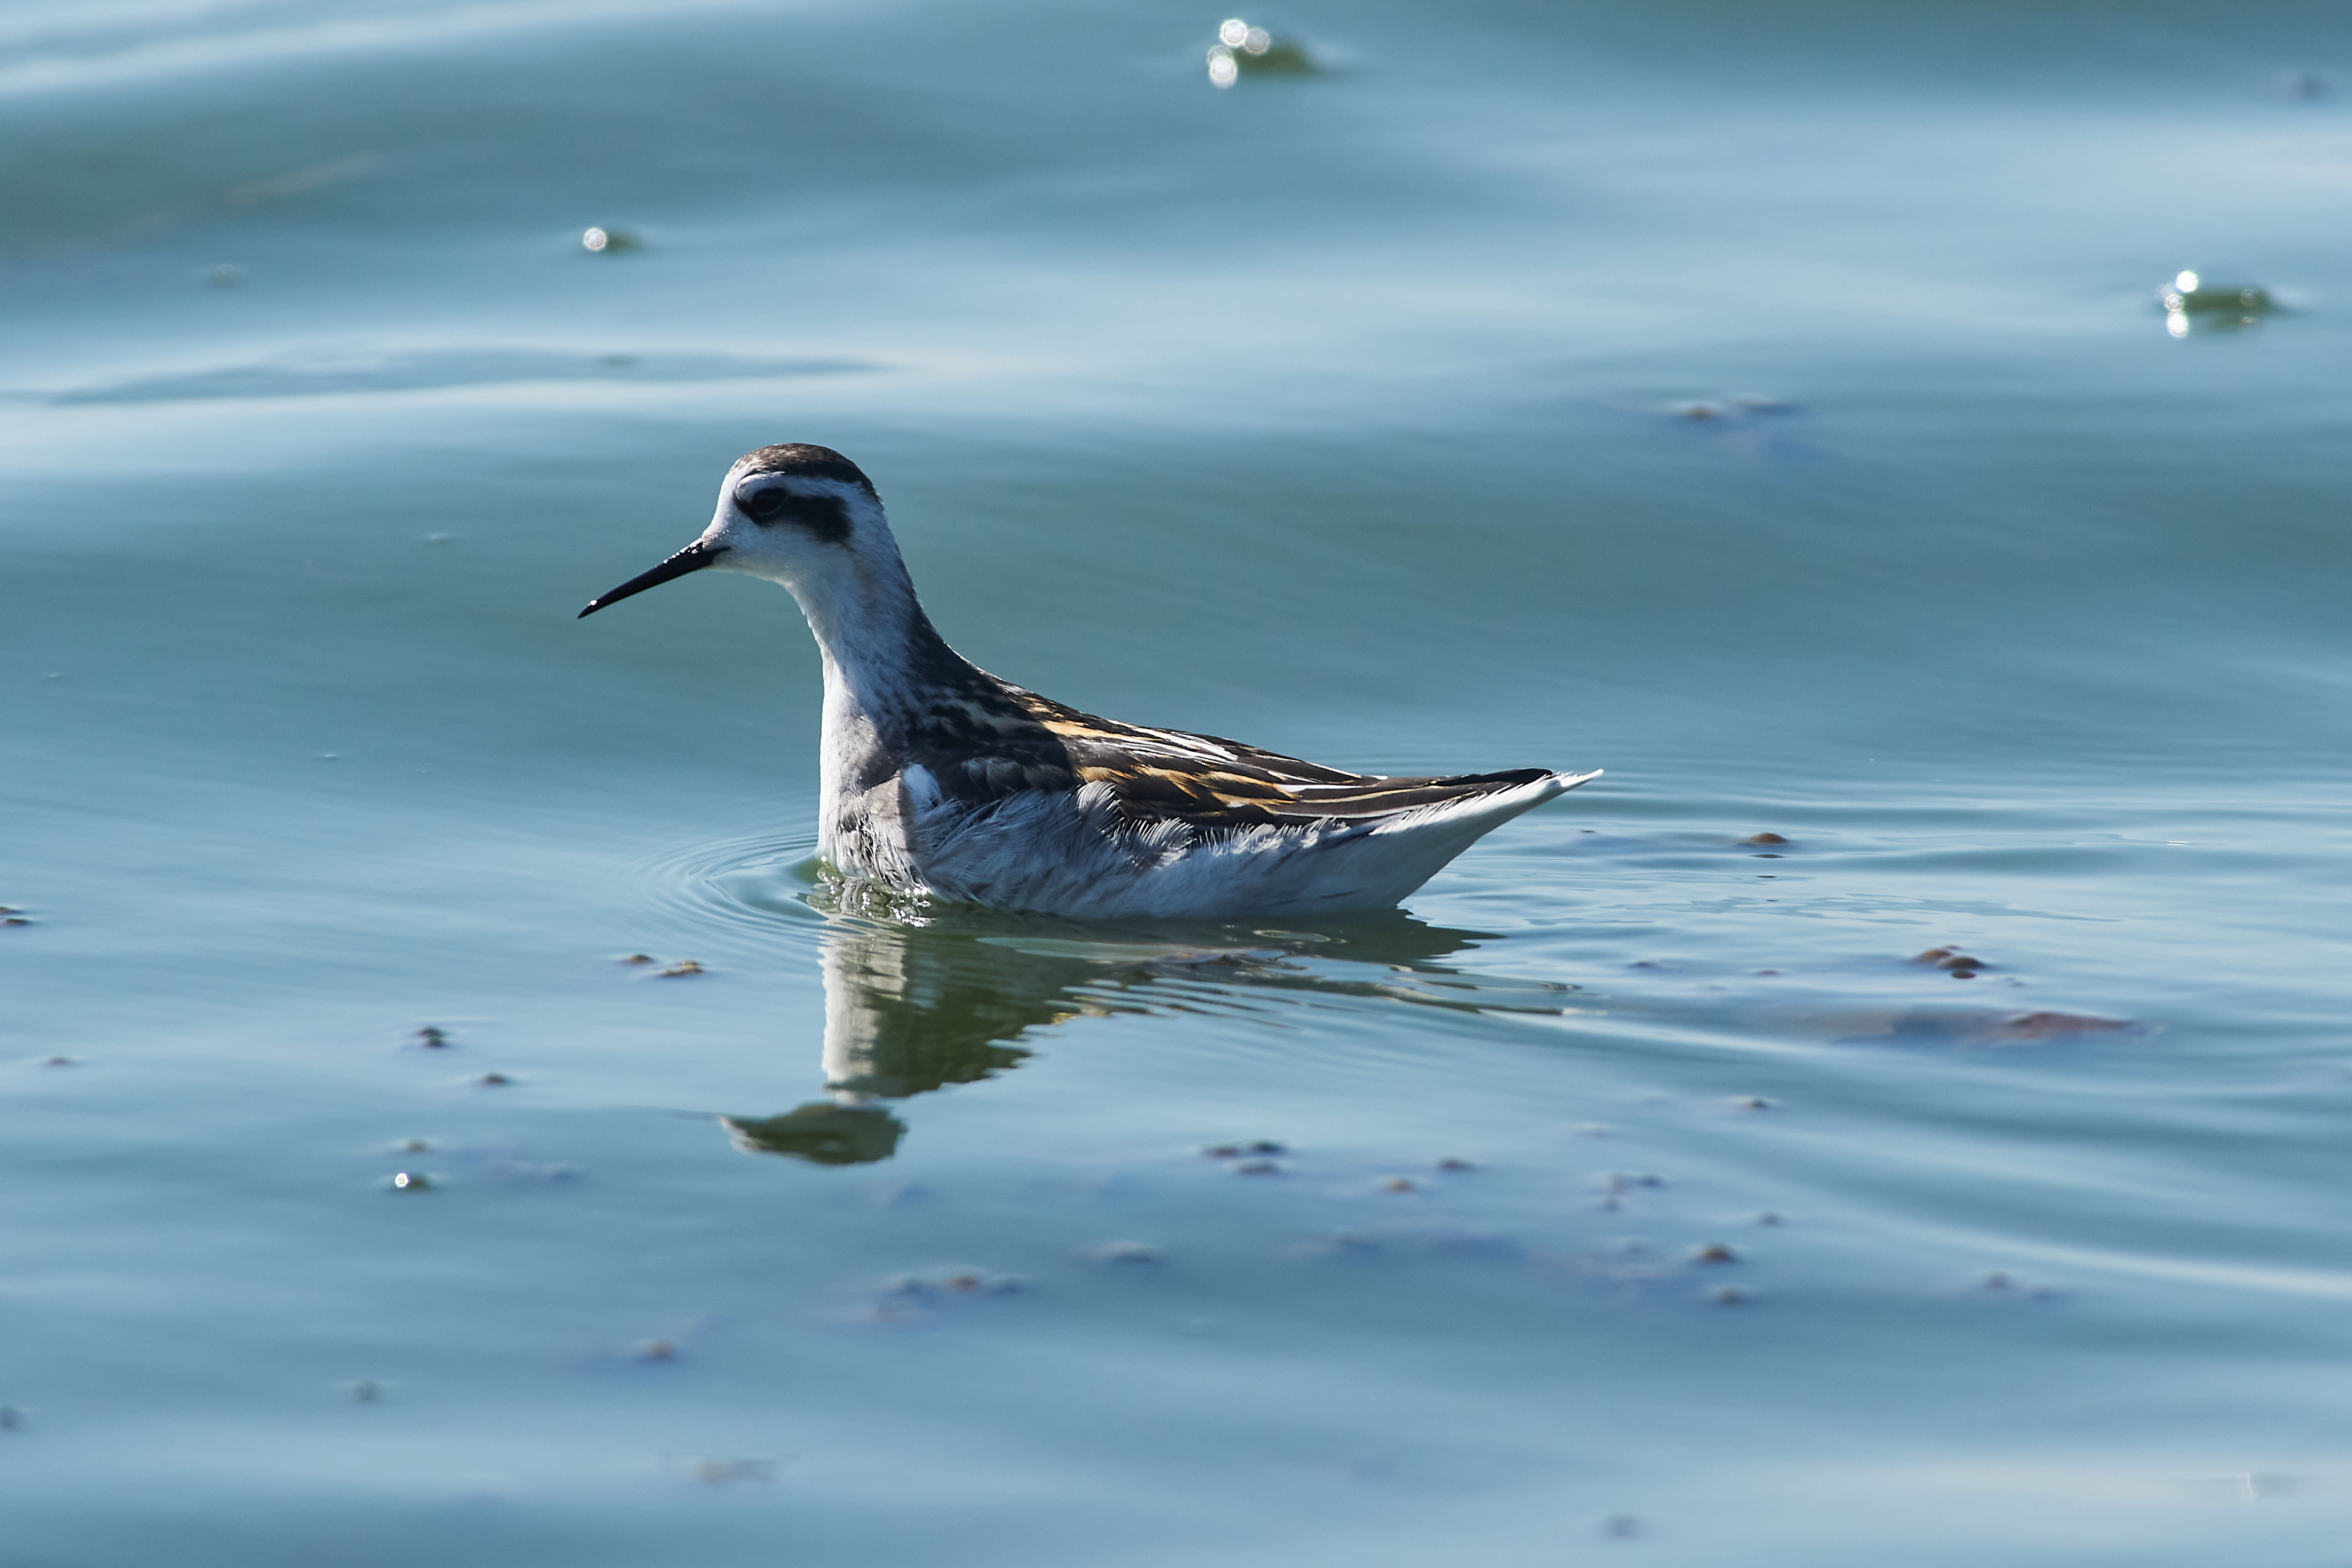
693, 558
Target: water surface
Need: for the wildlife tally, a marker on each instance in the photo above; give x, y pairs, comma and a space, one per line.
1776, 411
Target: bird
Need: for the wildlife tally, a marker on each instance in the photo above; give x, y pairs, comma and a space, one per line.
941, 780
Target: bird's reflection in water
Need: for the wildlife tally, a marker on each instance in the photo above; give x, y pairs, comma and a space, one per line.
918, 999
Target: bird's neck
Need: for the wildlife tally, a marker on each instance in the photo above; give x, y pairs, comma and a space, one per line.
885, 663
896, 696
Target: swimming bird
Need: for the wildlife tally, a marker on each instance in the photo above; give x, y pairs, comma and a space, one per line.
941, 779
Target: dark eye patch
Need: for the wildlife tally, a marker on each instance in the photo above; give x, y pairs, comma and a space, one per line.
826, 517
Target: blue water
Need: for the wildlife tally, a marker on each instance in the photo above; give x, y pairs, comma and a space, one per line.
1773, 409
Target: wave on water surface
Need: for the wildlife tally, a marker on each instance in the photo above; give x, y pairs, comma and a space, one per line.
332, 375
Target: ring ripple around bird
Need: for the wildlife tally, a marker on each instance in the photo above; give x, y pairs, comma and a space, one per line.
745, 891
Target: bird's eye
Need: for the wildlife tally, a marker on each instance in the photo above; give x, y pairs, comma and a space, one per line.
761, 504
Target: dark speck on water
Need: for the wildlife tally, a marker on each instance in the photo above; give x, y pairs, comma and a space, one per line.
1121, 1252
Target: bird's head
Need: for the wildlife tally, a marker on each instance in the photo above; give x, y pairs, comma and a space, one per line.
796, 514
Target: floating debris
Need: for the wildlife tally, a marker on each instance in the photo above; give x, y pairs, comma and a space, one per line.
1263, 1146
1398, 1185
414, 1146
1714, 1252
638, 958
729, 1472
1451, 1164
1966, 1027
683, 966
432, 1037
656, 1350
1121, 1252
1764, 838
411, 1182
1257, 1168
910, 1294
1241, 49
607, 241
2192, 301
494, 1081
59, 1062
1620, 1527
1729, 409
2057, 1025
366, 1391
1952, 960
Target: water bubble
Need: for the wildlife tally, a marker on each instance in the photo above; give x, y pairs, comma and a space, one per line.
1223, 72
1256, 41
1235, 32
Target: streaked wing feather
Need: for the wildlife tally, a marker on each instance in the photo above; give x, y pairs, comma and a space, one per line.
1214, 784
